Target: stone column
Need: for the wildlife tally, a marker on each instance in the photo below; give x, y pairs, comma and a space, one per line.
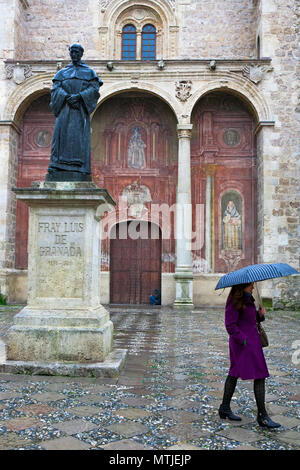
183, 223
9, 137
138, 45
208, 216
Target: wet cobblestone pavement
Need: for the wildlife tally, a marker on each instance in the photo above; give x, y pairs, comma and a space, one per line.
166, 397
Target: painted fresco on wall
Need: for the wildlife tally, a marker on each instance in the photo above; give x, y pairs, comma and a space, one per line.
231, 221
223, 159
136, 150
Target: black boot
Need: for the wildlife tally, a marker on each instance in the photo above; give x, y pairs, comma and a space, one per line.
265, 421
225, 412
262, 416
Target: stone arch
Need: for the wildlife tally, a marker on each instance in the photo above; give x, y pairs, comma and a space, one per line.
143, 87
23, 96
157, 12
243, 89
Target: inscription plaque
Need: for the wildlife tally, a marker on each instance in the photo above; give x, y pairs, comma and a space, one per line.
60, 252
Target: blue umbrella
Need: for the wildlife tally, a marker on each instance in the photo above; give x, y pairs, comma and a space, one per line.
254, 273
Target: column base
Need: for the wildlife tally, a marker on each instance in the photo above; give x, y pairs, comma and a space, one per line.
184, 289
77, 335
110, 368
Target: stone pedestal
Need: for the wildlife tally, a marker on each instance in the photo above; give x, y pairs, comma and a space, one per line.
64, 319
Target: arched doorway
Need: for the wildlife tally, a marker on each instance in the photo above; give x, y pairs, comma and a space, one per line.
224, 179
135, 262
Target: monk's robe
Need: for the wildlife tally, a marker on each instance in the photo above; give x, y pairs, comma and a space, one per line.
71, 139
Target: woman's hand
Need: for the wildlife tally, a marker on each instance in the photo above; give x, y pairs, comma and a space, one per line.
262, 311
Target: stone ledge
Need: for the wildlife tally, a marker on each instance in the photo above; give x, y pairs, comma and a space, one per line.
111, 367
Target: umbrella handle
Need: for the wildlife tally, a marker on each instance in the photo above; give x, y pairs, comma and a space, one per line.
258, 294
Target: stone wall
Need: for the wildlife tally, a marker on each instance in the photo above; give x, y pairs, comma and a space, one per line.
7, 15
8, 179
279, 29
224, 29
207, 29
52, 25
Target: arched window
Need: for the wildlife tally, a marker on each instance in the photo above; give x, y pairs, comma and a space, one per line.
129, 42
148, 42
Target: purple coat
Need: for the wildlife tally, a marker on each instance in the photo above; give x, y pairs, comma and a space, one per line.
246, 361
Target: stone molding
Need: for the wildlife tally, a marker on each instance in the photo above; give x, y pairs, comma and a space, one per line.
11, 124
145, 77
184, 131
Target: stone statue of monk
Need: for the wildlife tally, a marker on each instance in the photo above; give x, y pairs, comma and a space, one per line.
74, 97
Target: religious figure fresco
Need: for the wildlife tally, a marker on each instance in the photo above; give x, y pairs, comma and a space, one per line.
136, 154
232, 228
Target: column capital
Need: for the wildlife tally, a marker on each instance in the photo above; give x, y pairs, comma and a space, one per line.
11, 124
184, 131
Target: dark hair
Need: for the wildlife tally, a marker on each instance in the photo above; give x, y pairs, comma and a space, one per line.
237, 296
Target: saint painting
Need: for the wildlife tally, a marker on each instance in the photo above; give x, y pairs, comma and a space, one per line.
74, 97
136, 154
232, 228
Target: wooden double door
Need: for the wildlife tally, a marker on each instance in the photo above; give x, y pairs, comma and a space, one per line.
135, 262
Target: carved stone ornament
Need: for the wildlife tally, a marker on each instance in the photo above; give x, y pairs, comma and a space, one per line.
183, 89
136, 196
103, 4
256, 73
18, 72
172, 3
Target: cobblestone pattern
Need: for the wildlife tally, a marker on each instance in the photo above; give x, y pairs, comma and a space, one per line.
166, 397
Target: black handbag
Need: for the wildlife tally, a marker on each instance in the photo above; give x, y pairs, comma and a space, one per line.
263, 336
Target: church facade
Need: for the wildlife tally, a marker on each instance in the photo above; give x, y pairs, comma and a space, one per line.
195, 136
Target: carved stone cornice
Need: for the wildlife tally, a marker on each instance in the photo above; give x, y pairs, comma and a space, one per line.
10, 124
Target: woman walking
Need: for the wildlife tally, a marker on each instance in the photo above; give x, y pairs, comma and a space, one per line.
247, 359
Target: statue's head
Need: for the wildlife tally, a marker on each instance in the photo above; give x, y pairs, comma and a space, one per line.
76, 52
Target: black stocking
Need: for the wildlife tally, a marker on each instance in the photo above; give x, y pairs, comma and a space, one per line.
229, 388
259, 392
